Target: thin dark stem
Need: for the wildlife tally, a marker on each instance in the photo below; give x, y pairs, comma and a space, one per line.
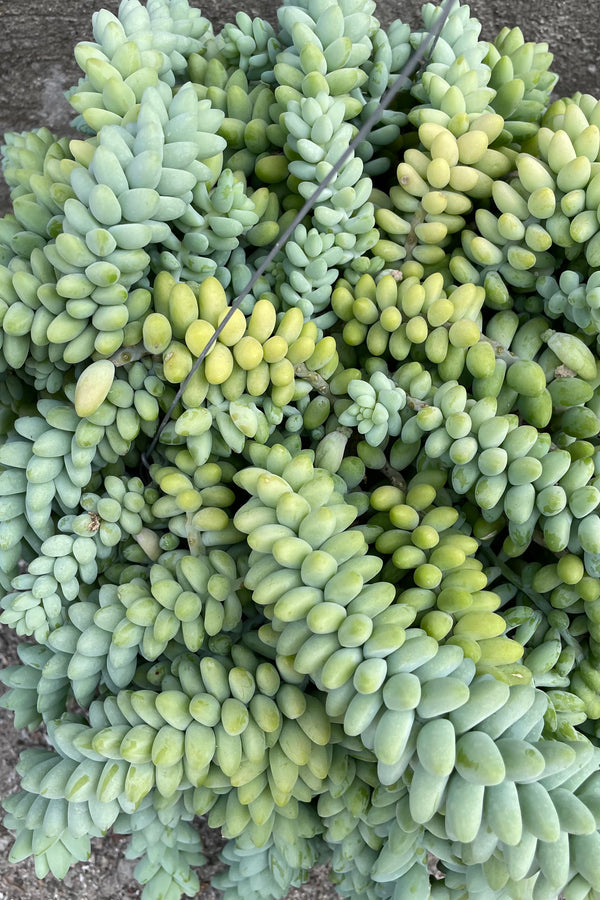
394, 477
401, 80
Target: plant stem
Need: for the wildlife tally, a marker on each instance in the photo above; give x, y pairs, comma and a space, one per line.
193, 536
411, 238
316, 380
394, 477
128, 354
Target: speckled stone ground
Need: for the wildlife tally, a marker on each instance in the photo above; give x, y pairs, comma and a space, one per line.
36, 42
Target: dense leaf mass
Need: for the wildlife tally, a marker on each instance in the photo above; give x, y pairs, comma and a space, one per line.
350, 607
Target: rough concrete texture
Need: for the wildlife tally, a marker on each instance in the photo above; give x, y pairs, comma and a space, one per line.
37, 39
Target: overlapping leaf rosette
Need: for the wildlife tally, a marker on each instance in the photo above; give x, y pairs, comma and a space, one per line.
323, 566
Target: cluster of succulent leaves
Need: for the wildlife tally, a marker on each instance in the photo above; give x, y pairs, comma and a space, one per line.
351, 612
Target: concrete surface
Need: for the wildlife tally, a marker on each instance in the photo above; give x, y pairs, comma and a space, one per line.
37, 39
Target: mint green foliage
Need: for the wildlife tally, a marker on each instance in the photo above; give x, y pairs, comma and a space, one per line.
571, 297
375, 411
454, 82
249, 45
350, 610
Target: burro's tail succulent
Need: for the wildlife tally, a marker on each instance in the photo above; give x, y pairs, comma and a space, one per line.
303, 535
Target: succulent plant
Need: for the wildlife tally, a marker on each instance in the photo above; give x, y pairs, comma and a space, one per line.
306, 532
